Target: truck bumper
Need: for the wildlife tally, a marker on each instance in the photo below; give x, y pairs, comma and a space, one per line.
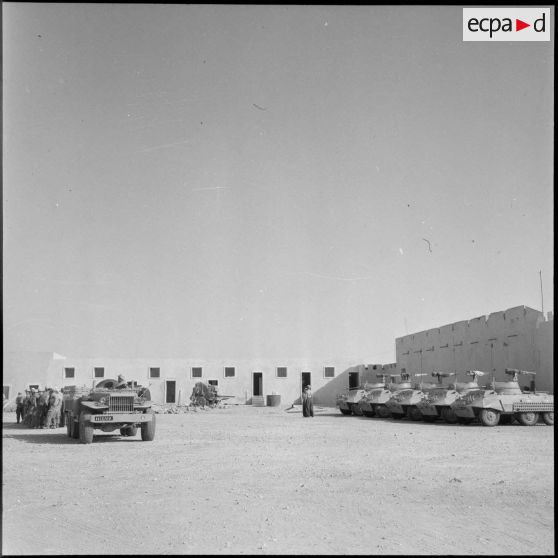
117, 418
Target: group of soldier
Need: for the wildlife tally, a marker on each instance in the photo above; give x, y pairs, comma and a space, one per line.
40, 408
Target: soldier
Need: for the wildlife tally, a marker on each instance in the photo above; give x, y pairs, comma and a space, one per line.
54, 404
42, 408
26, 401
19, 406
62, 421
32, 408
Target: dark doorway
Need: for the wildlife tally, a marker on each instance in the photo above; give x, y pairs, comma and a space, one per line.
306, 380
354, 380
258, 384
171, 391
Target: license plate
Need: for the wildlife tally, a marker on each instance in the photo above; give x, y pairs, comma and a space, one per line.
103, 418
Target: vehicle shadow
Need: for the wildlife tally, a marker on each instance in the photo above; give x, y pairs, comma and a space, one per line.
61, 438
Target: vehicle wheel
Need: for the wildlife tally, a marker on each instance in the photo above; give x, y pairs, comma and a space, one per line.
528, 419
489, 417
85, 431
548, 418
429, 418
346, 411
449, 415
413, 413
131, 430
382, 412
397, 416
465, 420
148, 430
357, 411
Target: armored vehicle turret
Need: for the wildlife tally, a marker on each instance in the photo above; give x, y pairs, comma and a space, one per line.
507, 399
404, 401
111, 405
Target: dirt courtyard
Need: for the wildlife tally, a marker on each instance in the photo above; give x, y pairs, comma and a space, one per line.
264, 480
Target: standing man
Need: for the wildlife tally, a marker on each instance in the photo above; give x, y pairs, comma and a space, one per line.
53, 413
307, 404
19, 407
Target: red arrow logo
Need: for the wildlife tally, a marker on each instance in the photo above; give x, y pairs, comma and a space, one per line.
519, 25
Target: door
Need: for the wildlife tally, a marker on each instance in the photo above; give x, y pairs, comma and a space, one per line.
354, 380
170, 391
257, 389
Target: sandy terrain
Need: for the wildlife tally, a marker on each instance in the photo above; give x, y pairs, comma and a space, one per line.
260, 480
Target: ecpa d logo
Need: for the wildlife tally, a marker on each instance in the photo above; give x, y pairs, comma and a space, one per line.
506, 24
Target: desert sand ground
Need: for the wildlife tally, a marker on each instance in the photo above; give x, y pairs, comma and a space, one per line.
264, 480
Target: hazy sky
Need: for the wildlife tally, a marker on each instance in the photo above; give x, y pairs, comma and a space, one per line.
239, 181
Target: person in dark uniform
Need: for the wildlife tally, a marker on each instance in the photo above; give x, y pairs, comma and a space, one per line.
307, 404
19, 406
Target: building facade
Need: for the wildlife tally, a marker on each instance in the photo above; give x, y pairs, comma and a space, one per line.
171, 380
519, 337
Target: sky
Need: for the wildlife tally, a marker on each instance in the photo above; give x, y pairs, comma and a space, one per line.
217, 181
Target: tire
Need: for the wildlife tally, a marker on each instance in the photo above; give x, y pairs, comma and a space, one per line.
397, 416
528, 419
357, 411
489, 417
465, 420
413, 413
382, 412
448, 415
131, 430
548, 418
346, 411
85, 431
148, 429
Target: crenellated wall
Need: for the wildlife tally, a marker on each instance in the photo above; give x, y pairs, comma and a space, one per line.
519, 337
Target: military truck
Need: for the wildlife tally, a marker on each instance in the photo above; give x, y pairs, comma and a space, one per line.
107, 408
508, 401
404, 400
